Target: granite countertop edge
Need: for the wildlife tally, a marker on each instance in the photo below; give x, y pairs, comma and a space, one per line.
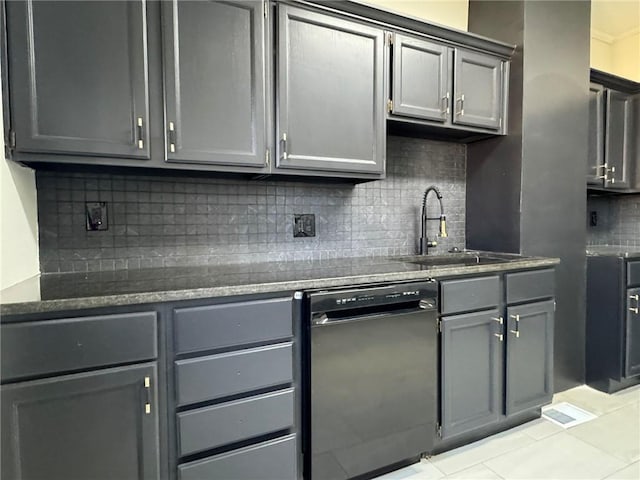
613, 251
141, 298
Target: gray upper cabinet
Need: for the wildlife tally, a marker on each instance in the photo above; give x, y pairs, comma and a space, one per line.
595, 164
215, 83
472, 363
478, 89
421, 79
529, 358
330, 93
78, 74
618, 138
90, 425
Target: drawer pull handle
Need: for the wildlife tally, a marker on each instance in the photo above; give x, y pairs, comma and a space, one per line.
500, 320
499, 335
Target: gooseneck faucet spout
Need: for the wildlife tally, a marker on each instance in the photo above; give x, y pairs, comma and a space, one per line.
425, 243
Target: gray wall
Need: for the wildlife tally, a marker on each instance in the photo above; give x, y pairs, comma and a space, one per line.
618, 221
164, 221
540, 160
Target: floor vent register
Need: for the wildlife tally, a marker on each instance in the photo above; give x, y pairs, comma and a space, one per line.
566, 415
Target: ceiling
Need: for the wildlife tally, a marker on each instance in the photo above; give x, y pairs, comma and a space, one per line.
615, 18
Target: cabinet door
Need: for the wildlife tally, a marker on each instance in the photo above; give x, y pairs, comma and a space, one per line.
618, 137
472, 362
330, 93
632, 347
214, 55
595, 164
478, 90
421, 79
529, 339
85, 426
78, 74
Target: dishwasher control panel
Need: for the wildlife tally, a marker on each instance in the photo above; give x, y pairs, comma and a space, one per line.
330, 300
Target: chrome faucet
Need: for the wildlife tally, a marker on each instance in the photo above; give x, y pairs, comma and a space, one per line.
425, 243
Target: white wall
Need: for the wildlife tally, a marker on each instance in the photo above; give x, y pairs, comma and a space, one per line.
452, 13
601, 54
18, 222
626, 56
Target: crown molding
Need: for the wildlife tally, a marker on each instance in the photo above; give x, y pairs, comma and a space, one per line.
603, 37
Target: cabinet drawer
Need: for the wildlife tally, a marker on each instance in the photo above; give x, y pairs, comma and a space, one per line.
230, 324
275, 459
633, 274
533, 285
469, 294
38, 348
216, 376
219, 425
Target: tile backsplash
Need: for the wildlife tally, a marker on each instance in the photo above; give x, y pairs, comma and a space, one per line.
618, 221
157, 221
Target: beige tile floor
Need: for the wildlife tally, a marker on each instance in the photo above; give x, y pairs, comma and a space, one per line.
607, 447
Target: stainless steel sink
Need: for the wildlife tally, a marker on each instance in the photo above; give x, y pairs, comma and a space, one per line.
465, 258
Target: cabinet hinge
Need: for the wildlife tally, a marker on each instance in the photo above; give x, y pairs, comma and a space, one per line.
500, 122
265, 5
439, 325
12, 139
267, 157
439, 430
390, 105
389, 38
554, 305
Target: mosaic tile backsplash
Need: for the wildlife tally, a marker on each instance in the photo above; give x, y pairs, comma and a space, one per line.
618, 221
158, 221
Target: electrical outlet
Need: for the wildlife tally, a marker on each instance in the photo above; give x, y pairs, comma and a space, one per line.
96, 214
304, 225
593, 219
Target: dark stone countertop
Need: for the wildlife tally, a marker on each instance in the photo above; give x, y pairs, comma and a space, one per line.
73, 291
613, 251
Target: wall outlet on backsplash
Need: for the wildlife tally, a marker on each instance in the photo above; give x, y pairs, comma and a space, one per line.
304, 225
97, 216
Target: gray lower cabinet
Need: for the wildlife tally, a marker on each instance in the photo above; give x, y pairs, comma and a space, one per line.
613, 322
330, 93
78, 74
236, 397
96, 425
632, 350
471, 375
529, 356
215, 84
497, 351
478, 89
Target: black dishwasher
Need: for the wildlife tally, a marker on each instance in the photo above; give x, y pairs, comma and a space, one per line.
370, 357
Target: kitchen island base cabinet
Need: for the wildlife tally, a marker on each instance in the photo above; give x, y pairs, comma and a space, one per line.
471, 372
632, 350
96, 425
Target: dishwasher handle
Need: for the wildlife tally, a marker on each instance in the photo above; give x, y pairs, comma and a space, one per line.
319, 319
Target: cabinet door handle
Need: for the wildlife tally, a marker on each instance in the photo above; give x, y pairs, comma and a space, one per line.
147, 395
445, 104
283, 144
499, 335
460, 101
172, 137
140, 133
635, 309
516, 332
605, 170
500, 320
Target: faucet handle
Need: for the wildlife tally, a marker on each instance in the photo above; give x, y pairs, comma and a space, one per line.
443, 226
